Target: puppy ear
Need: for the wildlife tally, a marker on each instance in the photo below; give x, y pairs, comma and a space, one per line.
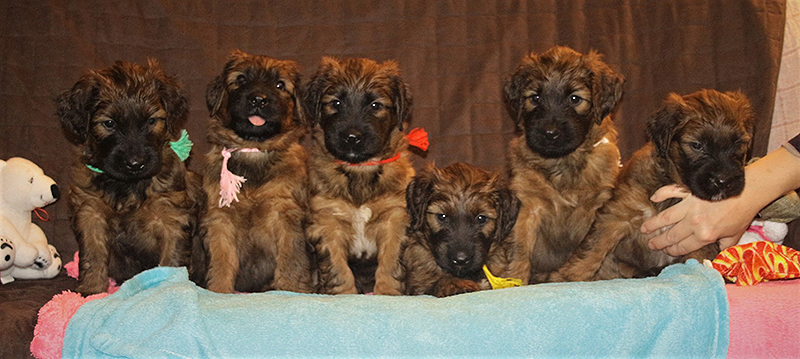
76, 106
315, 88
173, 97
513, 90
664, 124
402, 102
744, 109
608, 83
508, 206
299, 113
418, 194
401, 95
215, 94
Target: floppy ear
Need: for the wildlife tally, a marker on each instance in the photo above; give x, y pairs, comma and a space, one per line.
216, 94
315, 89
607, 86
173, 98
507, 210
402, 101
513, 88
76, 106
418, 194
299, 113
743, 108
663, 125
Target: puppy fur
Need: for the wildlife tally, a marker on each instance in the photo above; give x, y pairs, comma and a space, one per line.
459, 217
564, 162
700, 142
142, 210
257, 243
357, 218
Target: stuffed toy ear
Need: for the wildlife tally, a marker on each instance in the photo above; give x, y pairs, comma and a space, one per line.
418, 195
508, 206
76, 106
665, 123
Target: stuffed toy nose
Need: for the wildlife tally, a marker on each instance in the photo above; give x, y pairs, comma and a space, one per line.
55, 191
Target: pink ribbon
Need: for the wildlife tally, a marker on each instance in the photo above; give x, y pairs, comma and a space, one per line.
229, 183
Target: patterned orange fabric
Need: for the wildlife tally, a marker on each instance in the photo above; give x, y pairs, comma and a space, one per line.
751, 263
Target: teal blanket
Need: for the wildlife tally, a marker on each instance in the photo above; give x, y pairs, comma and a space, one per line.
161, 314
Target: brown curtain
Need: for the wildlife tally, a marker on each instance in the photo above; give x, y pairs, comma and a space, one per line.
454, 55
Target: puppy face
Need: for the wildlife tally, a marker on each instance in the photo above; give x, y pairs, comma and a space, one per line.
704, 138
125, 115
254, 97
459, 211
556, 97
359, 104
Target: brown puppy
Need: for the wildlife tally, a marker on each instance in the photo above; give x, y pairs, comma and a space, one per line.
359, 170
134, 205
698, 141
459, 218
253, 238
564, 163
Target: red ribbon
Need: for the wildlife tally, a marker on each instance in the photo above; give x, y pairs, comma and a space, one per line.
46, 215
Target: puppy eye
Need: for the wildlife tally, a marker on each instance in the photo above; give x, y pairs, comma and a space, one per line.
280, 85
335, 103
152, 121
376, 106
241, 80
481, 219
575, 99
697, 146
109, 124
441, 217
535, 97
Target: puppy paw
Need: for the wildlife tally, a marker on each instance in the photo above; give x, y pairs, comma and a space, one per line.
456, 286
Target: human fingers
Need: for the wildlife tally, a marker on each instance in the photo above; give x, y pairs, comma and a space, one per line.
669, 191
667, 217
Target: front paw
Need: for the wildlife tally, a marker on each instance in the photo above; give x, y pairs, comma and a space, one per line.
456, 286
87, 288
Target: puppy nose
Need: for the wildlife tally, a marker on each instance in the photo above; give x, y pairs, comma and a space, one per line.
720, 181
551, 132
259, 100
55, 191
135, 163
461, 258
353, 138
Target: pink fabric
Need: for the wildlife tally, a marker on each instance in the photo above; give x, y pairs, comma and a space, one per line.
48, 335
765, 320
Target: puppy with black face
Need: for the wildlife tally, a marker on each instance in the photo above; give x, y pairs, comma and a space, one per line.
460, 217
564, 162
359, 169
698, 141
134, 205
255, 180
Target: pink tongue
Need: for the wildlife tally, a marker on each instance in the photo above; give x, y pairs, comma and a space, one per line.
257, 120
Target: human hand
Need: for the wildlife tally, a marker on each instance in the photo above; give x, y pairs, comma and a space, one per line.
694, 223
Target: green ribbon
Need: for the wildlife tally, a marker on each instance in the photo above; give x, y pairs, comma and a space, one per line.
182, 147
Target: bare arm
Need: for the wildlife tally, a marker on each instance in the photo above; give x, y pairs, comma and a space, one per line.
697, 222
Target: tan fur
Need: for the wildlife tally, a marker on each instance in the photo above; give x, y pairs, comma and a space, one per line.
459, 190
615, 247
560, 195
357, 213
258, 242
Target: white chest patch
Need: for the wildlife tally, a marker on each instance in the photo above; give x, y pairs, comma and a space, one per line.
362, 246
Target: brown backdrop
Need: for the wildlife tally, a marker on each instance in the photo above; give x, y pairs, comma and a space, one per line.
454, 55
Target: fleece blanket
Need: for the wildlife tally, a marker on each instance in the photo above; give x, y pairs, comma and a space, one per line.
161, 314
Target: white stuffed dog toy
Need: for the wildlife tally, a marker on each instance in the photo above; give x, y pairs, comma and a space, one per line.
23, 188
